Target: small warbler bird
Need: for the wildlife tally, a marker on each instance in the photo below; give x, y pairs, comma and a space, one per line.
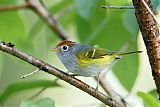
87, 61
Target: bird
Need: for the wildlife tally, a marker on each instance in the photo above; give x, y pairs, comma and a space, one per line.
85, 60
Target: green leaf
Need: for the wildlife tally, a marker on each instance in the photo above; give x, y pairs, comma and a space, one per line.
130, 23
7, 2
44, 102
88, 30
149, 99
154, 93
27, 104
155, 4
112, 30
12, 28
102, 105
60, 6
51, 37
68, 20
124, 69
36, 28
1, 64
20, 86
85, 7
117, 2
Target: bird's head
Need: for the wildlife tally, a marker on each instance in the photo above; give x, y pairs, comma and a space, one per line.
64, 47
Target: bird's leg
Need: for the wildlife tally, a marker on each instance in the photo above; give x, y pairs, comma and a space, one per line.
97, 83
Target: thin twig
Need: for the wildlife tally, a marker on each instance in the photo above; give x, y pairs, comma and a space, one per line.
58, 73
14, 7
42, 11
26, 75
118, 7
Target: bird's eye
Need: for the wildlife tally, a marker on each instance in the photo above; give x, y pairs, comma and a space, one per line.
65, 48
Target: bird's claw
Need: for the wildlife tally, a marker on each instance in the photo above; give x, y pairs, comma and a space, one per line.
96, 90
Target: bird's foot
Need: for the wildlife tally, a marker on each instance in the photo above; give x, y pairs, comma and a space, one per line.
96, 90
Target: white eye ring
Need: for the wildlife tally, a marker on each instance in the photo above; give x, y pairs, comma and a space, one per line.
65, 47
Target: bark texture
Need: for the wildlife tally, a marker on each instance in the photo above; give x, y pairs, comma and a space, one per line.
150, 33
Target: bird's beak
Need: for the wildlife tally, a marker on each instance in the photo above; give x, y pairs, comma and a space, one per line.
54, 50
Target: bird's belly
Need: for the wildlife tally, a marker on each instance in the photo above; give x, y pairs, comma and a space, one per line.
88, 71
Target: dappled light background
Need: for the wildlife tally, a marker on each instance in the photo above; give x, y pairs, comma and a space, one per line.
85, 22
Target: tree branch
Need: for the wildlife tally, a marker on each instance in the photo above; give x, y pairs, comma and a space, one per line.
14, 7
9, 48
150, 33
42, 11
118, 7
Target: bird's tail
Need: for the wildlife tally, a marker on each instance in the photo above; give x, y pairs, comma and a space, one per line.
125, 53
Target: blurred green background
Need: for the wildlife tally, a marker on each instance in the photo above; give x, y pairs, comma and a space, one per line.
85, 22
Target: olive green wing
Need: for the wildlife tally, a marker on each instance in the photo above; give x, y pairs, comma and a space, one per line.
94, 53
